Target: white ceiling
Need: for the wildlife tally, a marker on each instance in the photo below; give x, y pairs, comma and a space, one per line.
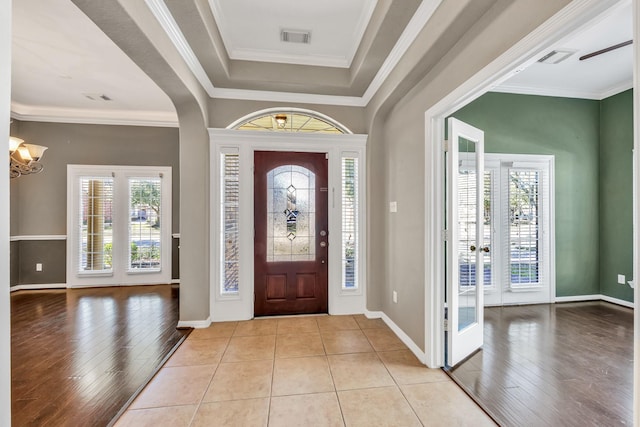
59, 55
595, 78
251, 29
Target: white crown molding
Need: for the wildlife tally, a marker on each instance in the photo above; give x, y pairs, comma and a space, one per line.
280, 58
38, 237
563, 93
619, 88
408, 36
86, 116
170, 26
292, 97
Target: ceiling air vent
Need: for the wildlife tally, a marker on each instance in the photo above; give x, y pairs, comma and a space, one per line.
295, 36
556, 56
97, 96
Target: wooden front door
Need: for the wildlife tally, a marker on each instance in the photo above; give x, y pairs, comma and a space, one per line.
291, 233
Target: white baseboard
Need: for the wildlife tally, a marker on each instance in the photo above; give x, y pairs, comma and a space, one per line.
578, 298
197, 324
595, 297
400, 333
38, 287
618, 301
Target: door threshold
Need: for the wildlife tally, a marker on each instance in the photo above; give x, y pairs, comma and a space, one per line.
286, 316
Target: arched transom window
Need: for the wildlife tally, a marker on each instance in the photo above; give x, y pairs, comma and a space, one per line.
289, 120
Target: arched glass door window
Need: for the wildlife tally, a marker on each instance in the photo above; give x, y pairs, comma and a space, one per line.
289, 120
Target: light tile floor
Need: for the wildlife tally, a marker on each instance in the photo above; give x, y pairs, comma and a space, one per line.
300, 371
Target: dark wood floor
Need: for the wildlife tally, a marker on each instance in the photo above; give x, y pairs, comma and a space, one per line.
79, 355
554, 365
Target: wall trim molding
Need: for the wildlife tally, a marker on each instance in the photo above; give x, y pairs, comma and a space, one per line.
415, 349
595, 297
43, 286
34, 113
39, 237
196, 324
563, 93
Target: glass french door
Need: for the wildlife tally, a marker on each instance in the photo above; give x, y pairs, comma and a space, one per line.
119, 221
466, 249
518, 228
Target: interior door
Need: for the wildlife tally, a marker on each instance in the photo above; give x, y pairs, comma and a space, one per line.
291, 233
465, 247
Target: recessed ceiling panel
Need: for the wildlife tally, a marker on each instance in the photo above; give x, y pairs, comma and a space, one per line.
251, 30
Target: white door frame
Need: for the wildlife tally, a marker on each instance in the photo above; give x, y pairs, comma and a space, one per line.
565, 23
239, 306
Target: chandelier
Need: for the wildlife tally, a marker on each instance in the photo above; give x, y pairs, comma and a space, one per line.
25, 158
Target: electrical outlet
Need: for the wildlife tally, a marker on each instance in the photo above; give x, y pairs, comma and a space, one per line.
393, 207
621, 279
395, 297
39, 266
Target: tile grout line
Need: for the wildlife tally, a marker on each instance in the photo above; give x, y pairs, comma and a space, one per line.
193, 417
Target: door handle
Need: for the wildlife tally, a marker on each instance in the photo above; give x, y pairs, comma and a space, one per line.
472, 248
486, 249
323, 244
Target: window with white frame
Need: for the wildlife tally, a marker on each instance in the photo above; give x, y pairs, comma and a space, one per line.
119, 222
230, 222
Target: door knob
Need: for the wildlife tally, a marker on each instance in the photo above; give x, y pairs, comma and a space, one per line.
323, 233
472, 248
486, 249
323, 244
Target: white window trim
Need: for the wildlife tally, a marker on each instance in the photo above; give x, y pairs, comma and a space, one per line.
240, 306
120, 275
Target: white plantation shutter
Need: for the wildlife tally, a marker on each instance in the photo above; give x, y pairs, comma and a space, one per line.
94, 224
350, 226
230, 222
526, 218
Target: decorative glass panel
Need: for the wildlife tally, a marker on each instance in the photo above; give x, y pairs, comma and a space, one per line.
289, 122
96, 234
524, 231
349, 223
468, 243
290, 214
230, 214
145, 198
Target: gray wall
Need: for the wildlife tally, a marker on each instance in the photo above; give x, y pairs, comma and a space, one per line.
569, 130
223, 112
399, 150
39, 202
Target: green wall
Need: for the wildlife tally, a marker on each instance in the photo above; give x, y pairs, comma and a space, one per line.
568, 129
616, 194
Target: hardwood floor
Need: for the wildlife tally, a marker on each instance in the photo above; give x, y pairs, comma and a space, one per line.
554, 364
79, 355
